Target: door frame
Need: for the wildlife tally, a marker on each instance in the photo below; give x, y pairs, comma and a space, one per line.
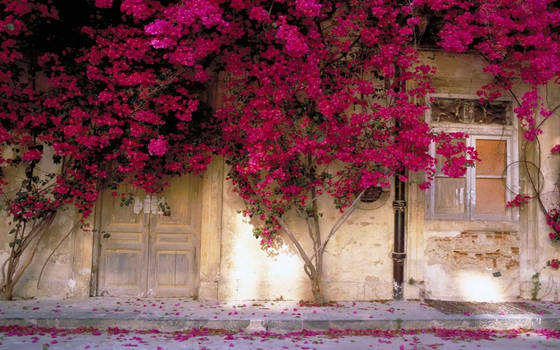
96, 251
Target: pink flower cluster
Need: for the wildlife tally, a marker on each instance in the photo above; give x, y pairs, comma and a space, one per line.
553, 264
157, 147
553, 220
518, 200
318, 100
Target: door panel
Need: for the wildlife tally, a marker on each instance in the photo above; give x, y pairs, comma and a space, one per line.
123, 266
173, 241
123, 247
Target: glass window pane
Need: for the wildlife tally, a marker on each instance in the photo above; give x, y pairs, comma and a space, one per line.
490, 196
492, 154
449, 196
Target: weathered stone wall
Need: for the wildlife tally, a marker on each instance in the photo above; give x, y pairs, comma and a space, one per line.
472, 265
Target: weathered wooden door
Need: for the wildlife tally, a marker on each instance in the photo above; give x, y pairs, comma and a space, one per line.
173, 241
143, 252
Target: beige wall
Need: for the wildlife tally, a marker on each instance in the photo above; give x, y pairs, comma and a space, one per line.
357, 263
541, 248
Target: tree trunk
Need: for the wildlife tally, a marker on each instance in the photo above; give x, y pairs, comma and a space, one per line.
316, 289
313, 265
7, 287
7, 291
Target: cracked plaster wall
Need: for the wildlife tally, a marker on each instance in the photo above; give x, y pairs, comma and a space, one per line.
483, 260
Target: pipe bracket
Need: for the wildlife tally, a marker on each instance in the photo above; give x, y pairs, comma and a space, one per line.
399, 205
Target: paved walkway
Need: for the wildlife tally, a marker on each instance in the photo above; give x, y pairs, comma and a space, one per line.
259, 341
282, 316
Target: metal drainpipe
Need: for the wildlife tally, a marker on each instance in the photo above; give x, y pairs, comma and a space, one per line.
399, 253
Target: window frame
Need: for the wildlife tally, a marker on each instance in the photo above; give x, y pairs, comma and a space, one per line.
475, 132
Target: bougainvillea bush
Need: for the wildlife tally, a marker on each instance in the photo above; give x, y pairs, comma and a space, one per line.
110, 108
323, 98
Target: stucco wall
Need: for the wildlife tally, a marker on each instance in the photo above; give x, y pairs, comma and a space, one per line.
541, 248
357, 263
68, 271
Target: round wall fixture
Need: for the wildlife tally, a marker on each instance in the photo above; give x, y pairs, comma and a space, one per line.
373, 198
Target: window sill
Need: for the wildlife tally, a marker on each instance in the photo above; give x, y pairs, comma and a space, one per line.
465, 225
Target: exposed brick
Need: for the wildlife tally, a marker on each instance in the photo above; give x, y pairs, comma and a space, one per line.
475, 251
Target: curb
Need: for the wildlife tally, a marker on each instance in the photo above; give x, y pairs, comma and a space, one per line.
284, 326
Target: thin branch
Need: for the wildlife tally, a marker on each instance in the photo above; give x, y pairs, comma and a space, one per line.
307, 270
54, 250
4, 270
27, 262
554, 109
536, 187
309, 227
298, 246
342, 219
317, 241
515, 97
46, 222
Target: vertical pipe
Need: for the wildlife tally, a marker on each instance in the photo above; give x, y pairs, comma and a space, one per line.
399, 206
399, 254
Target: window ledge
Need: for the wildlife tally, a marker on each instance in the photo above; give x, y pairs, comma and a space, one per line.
465, 225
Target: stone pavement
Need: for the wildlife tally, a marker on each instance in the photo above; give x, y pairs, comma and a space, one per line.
257, 341
275, 316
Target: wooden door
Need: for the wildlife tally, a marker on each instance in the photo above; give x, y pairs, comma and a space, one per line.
124, 246
147, 253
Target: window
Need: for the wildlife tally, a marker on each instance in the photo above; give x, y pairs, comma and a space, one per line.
482, 194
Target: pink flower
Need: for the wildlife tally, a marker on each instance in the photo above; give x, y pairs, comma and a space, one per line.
157, 147
518, 201
308, 8
31, 155
104, 3
259, 14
